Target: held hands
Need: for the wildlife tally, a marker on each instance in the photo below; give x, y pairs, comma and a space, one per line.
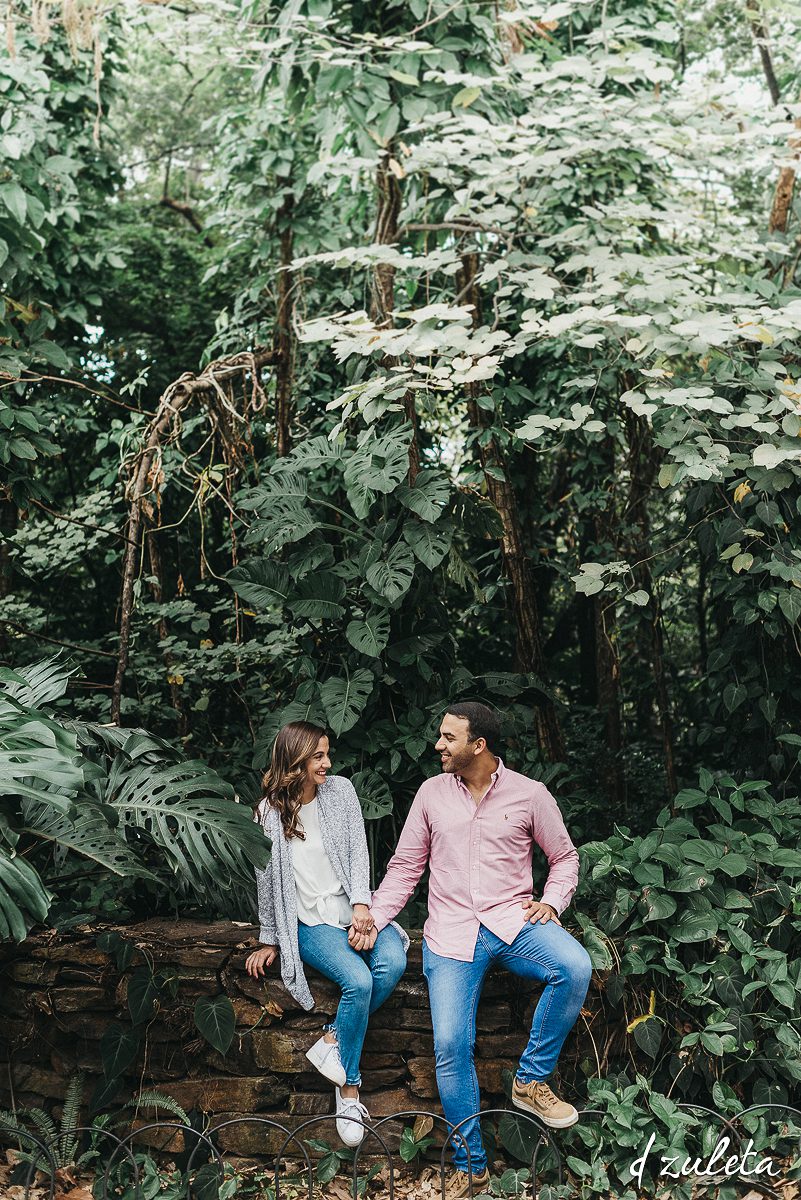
539, 913
257, 962
362, 933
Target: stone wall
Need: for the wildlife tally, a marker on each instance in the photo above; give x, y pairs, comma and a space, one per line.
61, 994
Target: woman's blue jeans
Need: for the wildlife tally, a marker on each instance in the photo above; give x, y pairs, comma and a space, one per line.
366, 977
544, 952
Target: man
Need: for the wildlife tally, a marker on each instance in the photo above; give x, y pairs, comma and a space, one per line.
475, 827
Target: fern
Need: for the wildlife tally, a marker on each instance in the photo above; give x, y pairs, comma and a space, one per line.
46, 1127
159, 1100
70, 1119
11, 1124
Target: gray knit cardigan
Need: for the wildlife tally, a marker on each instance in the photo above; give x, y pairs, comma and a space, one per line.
345, 843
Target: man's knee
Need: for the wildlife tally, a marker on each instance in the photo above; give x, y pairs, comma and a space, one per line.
578, 967
452, 1044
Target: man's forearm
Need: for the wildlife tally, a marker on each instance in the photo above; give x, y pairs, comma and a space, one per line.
405, 868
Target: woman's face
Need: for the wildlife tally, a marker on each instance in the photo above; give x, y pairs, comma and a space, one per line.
319, 764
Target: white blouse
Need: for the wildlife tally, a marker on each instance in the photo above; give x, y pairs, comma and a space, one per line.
321, 897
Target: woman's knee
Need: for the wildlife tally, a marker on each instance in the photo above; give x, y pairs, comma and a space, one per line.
358, 985
392, 962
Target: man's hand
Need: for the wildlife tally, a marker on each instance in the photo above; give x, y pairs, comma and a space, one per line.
539, 913
257, 962
362, 918
362, 941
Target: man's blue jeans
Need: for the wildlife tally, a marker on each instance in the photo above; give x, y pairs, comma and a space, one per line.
544, 952
366, 977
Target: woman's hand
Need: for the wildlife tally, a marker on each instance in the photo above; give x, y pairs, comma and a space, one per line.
362, 941
362, 918
257, 962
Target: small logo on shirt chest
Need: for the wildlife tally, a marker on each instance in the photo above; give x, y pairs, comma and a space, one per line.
506, 816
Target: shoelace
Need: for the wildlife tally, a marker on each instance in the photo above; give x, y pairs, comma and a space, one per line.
353, 1108
545, 1096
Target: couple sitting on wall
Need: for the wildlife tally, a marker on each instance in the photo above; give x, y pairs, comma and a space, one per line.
474, 826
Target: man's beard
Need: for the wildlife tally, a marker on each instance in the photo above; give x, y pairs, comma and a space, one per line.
457, 762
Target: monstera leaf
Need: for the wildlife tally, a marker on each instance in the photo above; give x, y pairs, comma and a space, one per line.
191, 815
344, 699
40, 682
369, 636
23, 897
260, 582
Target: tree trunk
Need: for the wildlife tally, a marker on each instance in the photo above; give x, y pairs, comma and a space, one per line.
607, 663
785, 185
284, 336
157, 592
9, 517
528, 649
382, 301
642, 471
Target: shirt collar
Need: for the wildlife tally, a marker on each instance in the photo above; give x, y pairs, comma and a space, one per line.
497, 774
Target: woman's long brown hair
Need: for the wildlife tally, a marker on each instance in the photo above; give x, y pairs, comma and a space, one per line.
283, 781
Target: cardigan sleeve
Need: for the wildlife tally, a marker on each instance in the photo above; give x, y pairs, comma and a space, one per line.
266, 902
359, 855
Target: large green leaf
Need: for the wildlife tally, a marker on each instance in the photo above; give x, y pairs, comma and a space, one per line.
374, 794
370, 635
318, 597
430, 543
392, 576
261, 582
44, 681
118, 1049
39, 758
87, 832
344, 699
216, 1021
190, 813
377, 466
429, 495
287, 521
312, 452
23, 897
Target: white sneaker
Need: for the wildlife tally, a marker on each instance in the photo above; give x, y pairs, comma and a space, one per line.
324, 1056
351, 1131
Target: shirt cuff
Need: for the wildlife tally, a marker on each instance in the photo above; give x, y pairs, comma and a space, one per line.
380, 919
360, 898
554, 901
267, 936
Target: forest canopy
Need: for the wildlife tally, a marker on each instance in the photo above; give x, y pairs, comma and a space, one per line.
359, 357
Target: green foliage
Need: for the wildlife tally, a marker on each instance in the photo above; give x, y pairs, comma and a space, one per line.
60, 1142
215, 1019
112, 798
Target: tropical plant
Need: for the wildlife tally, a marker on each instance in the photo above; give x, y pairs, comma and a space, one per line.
57, 1144
123, 801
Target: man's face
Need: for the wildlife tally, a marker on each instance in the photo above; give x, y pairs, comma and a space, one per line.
456, 752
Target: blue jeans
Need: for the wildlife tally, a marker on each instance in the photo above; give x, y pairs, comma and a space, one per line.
366, 977
544, 952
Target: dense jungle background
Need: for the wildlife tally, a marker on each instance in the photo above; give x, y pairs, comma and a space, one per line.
360, 356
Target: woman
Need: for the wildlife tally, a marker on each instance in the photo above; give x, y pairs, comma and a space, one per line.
314, 899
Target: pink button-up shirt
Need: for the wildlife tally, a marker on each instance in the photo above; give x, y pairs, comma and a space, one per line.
479, 857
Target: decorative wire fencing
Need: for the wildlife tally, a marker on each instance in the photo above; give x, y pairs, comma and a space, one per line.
43, 1157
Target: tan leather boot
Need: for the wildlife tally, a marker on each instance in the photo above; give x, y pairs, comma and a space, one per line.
457, 1184
538, 1099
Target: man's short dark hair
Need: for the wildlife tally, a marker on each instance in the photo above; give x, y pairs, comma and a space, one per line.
482, 722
